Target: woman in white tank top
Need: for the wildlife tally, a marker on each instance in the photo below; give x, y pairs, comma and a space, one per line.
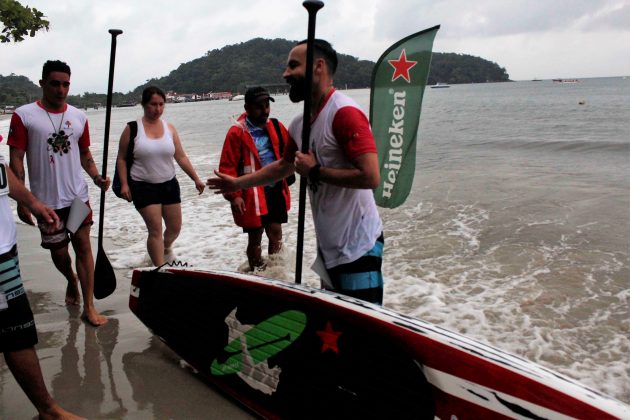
151, 183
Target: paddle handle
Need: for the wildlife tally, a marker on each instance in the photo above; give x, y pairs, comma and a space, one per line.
312, 6
110, 87
108, 113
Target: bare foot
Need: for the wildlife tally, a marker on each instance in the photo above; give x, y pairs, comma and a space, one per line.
57, 413
169, 257
94, 318
73, 296
258, 266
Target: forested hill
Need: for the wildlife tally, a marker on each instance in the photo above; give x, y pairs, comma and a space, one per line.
462, 68
262, 61
17, 90
259, 61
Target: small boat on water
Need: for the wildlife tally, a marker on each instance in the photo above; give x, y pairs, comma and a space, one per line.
8, 109
126, 104
237, 98
566, 81
440, 85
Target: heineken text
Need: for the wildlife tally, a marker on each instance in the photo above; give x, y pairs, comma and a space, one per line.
396, 141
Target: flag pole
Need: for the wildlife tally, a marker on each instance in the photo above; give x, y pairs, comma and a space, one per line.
312, 6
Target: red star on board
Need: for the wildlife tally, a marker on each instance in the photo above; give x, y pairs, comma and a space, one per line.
402, 66
329, 338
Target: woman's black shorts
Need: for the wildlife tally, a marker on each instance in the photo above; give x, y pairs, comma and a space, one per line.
146, 193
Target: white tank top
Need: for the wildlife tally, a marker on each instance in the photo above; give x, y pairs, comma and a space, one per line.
153, 158
8, 234
346, 220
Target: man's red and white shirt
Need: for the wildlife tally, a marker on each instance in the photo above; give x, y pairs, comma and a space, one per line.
53, 141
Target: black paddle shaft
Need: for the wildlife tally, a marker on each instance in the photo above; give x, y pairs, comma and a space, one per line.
104, 275
312, 6
108, 113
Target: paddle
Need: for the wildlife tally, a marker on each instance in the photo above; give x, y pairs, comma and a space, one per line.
312, 6
104, 276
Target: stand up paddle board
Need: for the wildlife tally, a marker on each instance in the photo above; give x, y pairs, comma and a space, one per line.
291, 351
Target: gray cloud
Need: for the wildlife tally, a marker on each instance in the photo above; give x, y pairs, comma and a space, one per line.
489, 18
530, 38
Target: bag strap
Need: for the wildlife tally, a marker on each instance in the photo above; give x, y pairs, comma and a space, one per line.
276, 126
133, 133
291, 178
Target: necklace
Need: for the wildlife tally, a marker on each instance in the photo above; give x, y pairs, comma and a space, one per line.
320, 102
58, 140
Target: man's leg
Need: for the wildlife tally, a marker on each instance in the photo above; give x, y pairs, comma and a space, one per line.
63, 262
274, 234
152, 215
254, 252
363, 278
85, 271
276, 215
172, 215
24, 366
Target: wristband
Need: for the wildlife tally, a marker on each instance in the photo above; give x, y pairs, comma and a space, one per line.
313, 177
313, 174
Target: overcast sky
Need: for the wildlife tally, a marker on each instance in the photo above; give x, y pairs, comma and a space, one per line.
530, 38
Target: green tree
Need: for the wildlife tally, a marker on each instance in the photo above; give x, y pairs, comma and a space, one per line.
19, 21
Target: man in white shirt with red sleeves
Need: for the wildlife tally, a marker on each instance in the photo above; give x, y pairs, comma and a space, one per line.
54, 137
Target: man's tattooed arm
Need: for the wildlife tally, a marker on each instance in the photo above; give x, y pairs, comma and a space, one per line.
16, 162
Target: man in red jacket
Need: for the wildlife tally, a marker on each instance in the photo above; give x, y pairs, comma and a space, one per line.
255, 141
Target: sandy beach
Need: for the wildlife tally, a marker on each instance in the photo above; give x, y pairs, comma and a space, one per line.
118, 371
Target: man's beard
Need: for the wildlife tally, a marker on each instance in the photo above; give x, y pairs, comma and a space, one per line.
297, 93
260, 121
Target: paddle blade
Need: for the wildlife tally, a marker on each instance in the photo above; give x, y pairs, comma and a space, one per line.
104, 276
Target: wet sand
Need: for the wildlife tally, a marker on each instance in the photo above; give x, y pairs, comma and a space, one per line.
118, 371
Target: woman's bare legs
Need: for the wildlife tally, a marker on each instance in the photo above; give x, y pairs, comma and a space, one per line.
152, 215
172, 215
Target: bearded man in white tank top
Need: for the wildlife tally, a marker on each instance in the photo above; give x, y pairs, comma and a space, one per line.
342, 168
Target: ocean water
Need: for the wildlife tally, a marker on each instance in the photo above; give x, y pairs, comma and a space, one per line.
516, 233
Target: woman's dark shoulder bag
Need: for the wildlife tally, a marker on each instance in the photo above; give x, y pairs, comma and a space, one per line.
133, 132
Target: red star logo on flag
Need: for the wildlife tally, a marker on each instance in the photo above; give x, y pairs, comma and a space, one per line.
402, 66
329, 338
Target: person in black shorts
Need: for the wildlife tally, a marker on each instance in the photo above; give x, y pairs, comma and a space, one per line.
255, 141
18, 335
151, 183
147, 193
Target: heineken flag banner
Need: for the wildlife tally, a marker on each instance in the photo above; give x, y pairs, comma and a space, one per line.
398, 82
